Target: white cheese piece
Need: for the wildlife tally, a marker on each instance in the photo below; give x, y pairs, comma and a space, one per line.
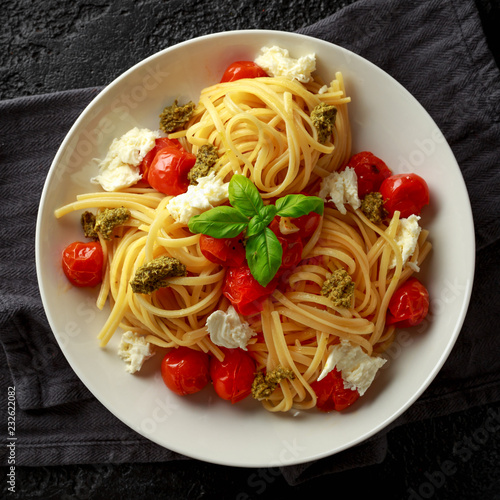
198, 198
134, 350
276, 61
227, 330
413, 266
341, 188
357, 368
117, 176
119, 169
406, 238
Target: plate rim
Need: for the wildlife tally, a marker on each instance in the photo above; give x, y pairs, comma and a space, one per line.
457, 325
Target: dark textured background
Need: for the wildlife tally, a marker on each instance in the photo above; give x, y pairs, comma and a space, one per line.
57, 45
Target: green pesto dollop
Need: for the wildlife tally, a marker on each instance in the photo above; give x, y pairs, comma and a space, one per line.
373, 207
323, 117
339, 288
205, 159
154, 275
88, 224
109, 218
264, 385
174, 117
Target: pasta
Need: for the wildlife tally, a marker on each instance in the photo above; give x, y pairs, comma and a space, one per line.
262, 129
300, 324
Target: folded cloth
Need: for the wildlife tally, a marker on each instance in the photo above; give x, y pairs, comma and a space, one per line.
437, 50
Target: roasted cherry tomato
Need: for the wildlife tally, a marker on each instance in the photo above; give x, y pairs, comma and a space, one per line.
242, 69
307, 224
227, 252
274, 226
82, 263
370, 170
293, 243
166, 298
292, 251
331, 393
233, 376
407, 193
246, 294
160, 143
169, 170
185, 370
409, 305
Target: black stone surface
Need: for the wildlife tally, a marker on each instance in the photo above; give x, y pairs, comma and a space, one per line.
57, 45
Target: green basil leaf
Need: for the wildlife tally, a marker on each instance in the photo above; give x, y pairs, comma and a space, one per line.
260, 221
264, 253
244, 196
219, 222
296, 205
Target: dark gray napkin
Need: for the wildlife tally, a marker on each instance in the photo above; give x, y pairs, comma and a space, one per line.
437, 50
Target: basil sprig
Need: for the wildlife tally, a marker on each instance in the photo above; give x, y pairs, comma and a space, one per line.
219, 222
248, 213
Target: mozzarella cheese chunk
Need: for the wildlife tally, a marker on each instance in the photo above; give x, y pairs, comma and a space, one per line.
406, 238
276, 61
357, 368
198, 198
134, 350
227, 330
341, 188
119, 169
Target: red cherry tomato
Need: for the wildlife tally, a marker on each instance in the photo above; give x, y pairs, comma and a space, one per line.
82, 263
185, 370
169, 170
370, 170
274, 226
331, 393
246, 294
307, 224
407, 193
233, 376
227, 252
292, 243
409, 305
160, 143
242, 69
166, 297
292, 250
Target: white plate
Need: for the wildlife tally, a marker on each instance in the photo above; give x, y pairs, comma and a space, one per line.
386, 120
